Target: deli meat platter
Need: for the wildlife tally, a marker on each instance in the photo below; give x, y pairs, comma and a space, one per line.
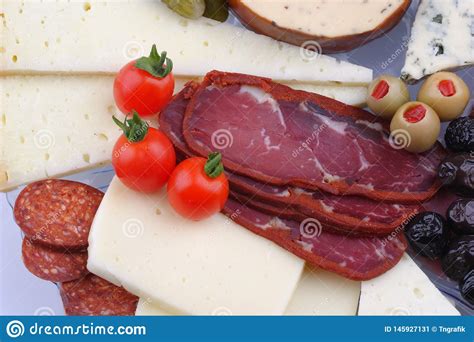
237, 157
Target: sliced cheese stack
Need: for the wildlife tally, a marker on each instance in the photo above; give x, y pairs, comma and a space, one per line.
139, 242
51, 125
54, 38
101, 36
54, 125
318, 293
63, 124
324, 293
441, 38
403, 291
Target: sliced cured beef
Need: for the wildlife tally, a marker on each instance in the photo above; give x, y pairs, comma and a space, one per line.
281, 136
171, 118
94, 296
353, 214
328, 220
53, 264
57, 212
358, 258
349, 214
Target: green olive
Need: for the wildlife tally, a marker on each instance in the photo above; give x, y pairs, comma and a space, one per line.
217, 10
386, 94
446, 93
191, 9
415, 127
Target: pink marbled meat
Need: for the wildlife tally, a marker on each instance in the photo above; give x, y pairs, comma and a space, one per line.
278, 135
354, 214
358, 258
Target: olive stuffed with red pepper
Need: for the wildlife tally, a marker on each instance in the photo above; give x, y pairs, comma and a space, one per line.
386, 94
446, 93
419, 123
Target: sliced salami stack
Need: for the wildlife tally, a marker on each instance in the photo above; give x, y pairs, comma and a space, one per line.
318, 177
56, 217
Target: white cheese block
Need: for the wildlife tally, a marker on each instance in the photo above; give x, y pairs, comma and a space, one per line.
318, 293
441, 38
324, 293
355, 96
403, 290
101, 36
147, 308
62, 124
55, 125
139, 242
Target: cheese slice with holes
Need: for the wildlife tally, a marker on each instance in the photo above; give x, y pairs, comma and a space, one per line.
403, 290
139, 242
318, 293
101, 36
53, 125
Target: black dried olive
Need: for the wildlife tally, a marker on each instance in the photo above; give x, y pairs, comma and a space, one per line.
460, 216
467, 287
428, 234
457, 172
460, 257
460, 134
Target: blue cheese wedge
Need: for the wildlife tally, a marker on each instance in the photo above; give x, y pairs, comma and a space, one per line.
442, 38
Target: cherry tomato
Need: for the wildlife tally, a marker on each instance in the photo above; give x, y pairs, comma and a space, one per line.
198, 188
145, 85
143, 157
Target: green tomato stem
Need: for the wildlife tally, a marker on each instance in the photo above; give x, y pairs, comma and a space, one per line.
214, 166
155, 64
134, 129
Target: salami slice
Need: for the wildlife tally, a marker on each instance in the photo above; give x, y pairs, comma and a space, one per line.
57, 212
94, 296
53, 264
